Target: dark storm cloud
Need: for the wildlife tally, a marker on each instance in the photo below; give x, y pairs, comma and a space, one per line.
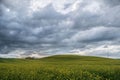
112, 2
37, 30
50, 30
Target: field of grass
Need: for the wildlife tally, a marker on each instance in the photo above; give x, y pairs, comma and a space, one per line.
60, 67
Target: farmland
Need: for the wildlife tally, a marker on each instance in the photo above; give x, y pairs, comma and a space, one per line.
60, 67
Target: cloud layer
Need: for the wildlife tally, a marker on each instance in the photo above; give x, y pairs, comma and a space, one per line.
37, 27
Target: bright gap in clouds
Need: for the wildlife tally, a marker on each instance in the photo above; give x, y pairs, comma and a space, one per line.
37, 4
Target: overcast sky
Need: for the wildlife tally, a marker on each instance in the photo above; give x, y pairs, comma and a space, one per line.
47, 27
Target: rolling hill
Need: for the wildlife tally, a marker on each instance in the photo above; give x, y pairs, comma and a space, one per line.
60, 67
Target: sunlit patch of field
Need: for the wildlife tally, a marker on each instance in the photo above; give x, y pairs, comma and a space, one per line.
60, 67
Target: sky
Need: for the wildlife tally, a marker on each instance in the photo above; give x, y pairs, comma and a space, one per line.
38, 28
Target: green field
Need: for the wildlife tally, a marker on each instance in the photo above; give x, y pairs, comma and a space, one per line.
60, 67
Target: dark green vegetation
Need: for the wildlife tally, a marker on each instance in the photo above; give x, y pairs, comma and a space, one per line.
61, 67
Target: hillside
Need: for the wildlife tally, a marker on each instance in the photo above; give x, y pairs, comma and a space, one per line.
74, 57
60, 67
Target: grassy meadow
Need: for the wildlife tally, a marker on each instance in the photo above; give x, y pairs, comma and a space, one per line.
60, 67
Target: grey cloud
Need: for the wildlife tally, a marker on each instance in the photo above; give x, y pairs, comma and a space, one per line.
48, 12
48, 30
16, 5
105, 16
95, 35
112, 2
